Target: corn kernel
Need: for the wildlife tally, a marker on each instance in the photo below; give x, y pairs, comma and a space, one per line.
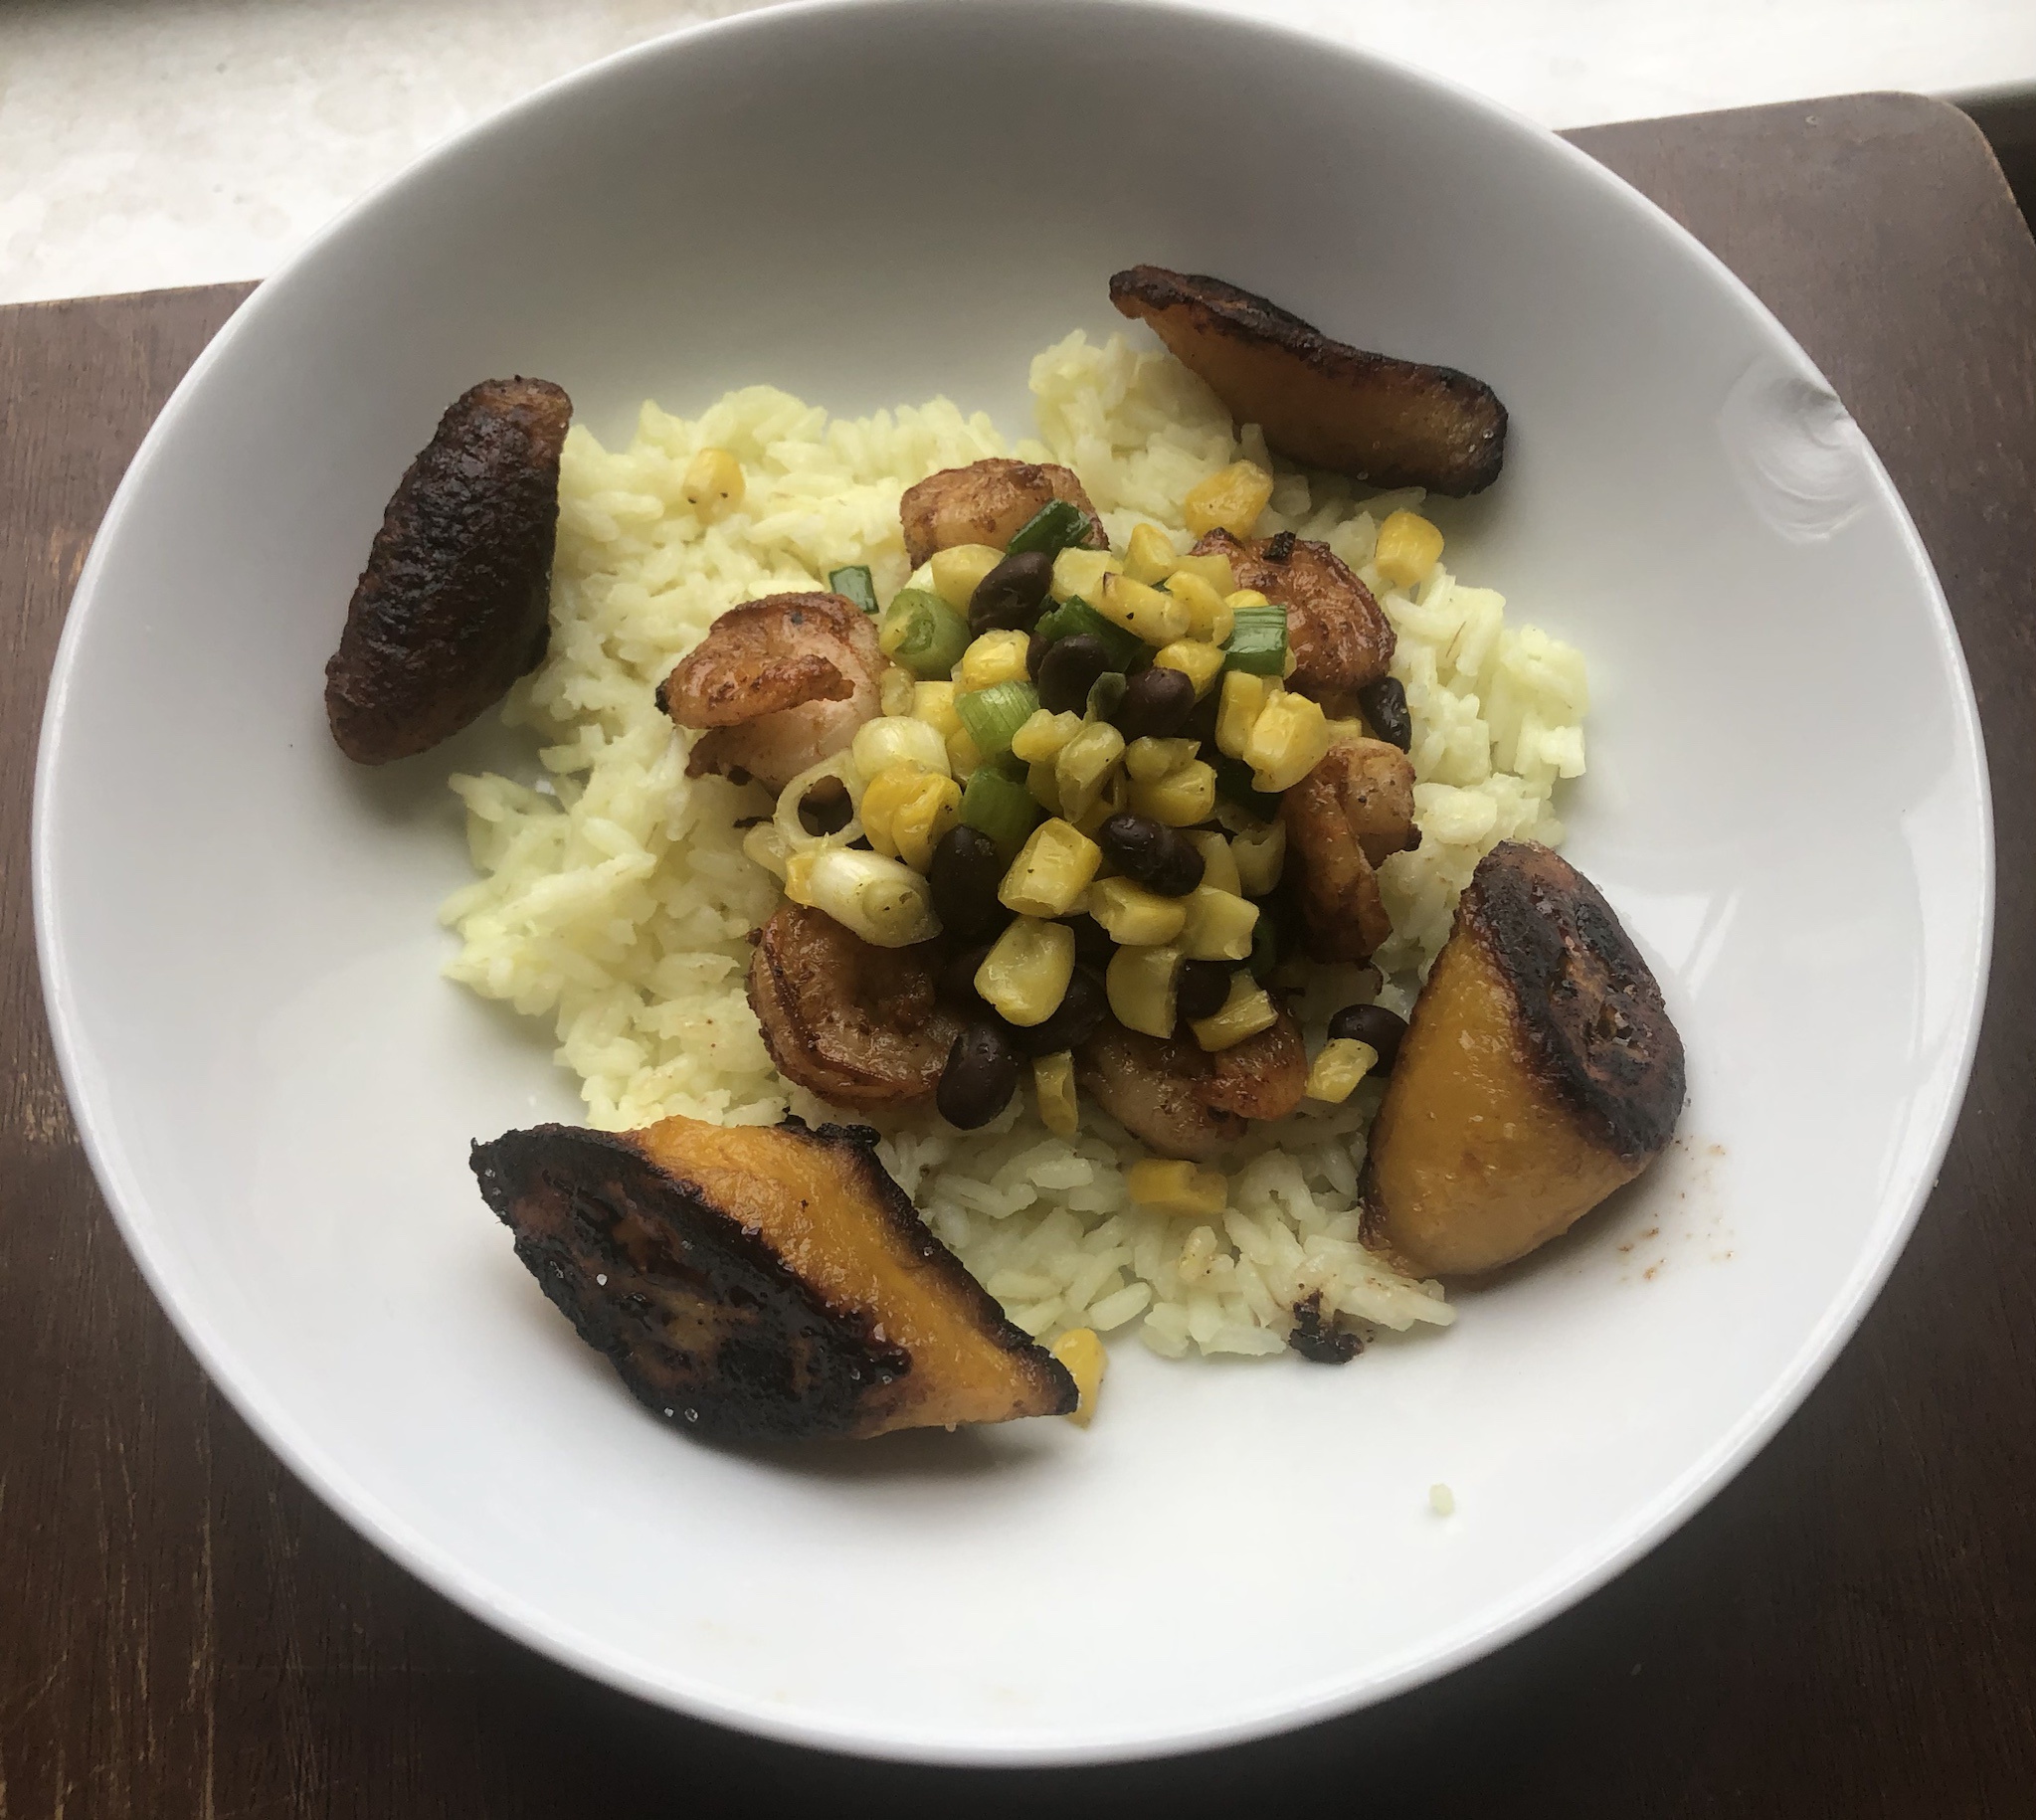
1040, 739
1046, 792
1210, 616
1083, 767
1082, 1354
1052, 869
996, 656
1116, 798
713, 482
1149, 556
923, 819
1243, 701
1162, 1185
963, 755
1408, 547
1079, 573
1218, 926
1287, 741
959, 570
883, 797
1148, 760
1025, 975
1214, 569
1054, 1087
1260, 853
1180, 798
1140, 984
1200, 663
1218, 865
1246, 1013
894, 692
1229, 500
1149, 613
1335, 1073
1244, 597
1134, 917
934, 704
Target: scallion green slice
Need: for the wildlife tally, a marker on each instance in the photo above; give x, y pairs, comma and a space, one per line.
923, 632
994, 714
854, 584
1257, 641
1052, 529
1076, 615
999, 804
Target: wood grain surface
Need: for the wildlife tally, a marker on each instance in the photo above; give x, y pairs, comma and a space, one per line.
1848, 1629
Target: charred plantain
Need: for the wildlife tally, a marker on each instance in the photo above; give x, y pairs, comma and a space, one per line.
455, 603
1539, 1072
762, 1282
1323, 403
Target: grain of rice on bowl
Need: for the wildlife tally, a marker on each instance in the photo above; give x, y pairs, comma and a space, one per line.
616, 898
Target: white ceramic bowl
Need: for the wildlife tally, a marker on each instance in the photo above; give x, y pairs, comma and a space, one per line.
869, 203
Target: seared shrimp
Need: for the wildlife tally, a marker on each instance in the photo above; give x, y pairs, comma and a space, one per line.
988, 502
856, 1023
1344, 821
1338, 638
780, 684
1184, 1102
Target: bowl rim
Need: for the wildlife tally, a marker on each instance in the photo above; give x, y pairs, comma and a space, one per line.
1573, 1578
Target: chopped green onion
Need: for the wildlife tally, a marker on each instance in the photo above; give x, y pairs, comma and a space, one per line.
1257, 641
1106, 695
855, 585
999, 804
924, 634
1122, 647
1052, 529
1234, 780
994, 714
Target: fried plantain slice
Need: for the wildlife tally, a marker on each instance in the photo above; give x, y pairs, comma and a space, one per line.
1540, 1071
988, 502
762, 1282
455, 603
1322, 403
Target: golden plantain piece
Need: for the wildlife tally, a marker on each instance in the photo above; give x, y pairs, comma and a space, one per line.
988, 501
455, 603
762, 1282
1539, 1072
1322, 403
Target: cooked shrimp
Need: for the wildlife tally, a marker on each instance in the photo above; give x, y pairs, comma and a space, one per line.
1184, 1102
1338, 638
988, 502
856, 1023
1344, 820
780, 684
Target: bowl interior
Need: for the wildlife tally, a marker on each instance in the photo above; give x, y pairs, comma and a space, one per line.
866, 206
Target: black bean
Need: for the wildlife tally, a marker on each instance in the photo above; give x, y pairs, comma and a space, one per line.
1155, 705
1151, 854
1081, 1008
1036, 648
1070, 671
1372, 1023
956, 981
964, 874
1092, 944
1202, 988
981, 1075
1384, 704
825, 809
1201, 724
1009, 598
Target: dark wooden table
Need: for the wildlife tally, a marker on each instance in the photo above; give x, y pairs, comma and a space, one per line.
1848, 1629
